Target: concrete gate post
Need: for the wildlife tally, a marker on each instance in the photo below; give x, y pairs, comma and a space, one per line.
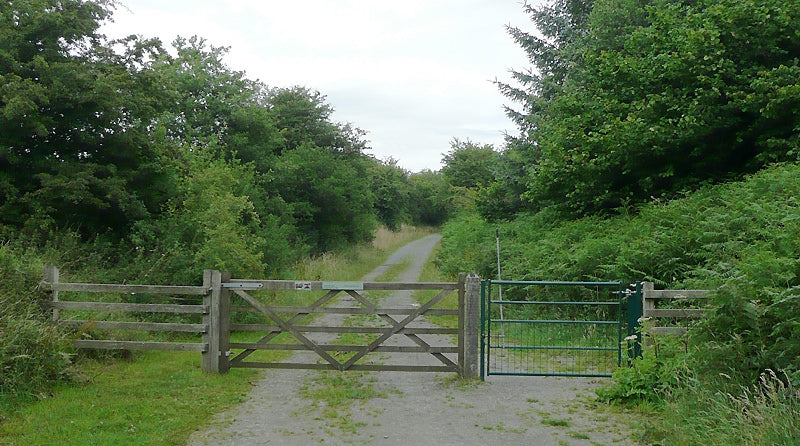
470, 369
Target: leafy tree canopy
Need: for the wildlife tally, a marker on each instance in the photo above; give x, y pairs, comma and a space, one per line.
468, 164
642, 98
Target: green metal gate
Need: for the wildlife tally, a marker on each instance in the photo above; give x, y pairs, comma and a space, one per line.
551, 328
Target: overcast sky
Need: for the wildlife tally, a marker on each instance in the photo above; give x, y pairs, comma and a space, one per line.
413, 73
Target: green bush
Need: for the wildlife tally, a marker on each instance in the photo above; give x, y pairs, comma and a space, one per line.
31, 348
662, 368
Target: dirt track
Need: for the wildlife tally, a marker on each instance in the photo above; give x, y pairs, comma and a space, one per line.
419, 408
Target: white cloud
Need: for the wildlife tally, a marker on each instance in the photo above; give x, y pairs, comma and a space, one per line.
413, 73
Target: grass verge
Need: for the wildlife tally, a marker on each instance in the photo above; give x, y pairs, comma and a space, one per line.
157, 398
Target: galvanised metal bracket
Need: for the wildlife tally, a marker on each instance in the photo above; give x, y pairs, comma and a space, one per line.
243, 285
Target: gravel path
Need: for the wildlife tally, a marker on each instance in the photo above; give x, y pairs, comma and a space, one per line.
418, 408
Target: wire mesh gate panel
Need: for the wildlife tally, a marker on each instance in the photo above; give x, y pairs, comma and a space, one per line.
551, 328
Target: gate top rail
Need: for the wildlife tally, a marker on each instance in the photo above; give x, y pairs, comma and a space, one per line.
553, 283
342, 286
562, 303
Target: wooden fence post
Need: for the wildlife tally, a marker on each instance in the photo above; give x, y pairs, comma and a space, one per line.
51, 276
648, 303
212, 281
471, 330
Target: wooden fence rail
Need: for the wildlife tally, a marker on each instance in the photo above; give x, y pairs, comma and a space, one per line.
652, 300
57, 288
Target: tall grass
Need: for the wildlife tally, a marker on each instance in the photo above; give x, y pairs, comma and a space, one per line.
763, 414
353, 263
30, 346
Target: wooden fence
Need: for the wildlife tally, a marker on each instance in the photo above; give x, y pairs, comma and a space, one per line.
673, 320
58, 304
215, 343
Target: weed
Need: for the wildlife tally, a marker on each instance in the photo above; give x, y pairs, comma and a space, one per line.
556, 422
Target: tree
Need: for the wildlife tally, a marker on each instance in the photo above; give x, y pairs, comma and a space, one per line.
468, 164
325, 193
73, 145
664, 96
430, 200
391, 189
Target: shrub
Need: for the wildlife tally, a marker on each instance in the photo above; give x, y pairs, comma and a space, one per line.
31, 348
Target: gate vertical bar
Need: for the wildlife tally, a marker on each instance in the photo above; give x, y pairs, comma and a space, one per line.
488, 326
635, 311
462, 316
619, 327
224, 325
483, 330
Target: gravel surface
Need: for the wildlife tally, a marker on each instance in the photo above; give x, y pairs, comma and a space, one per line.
418, 408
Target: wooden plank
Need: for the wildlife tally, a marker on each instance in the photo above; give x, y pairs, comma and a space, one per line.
139, 345
281, 365
401, 368
347, 310
676, 294
462, 314
318, 285
143, 308
676, 313
346, 348
398, 286
355, 367
321, 329
210, 361
136, 326
678, 331
392, 322
114, 288
294, 285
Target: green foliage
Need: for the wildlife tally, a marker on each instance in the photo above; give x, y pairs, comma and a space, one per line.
468, 164
651, 378
159, 399
430, 202
738, 237
31, 349
467, 246
648, 99
392, 191
330, 204
72, 146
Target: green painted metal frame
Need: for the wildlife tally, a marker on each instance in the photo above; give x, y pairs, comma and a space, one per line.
486, 324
